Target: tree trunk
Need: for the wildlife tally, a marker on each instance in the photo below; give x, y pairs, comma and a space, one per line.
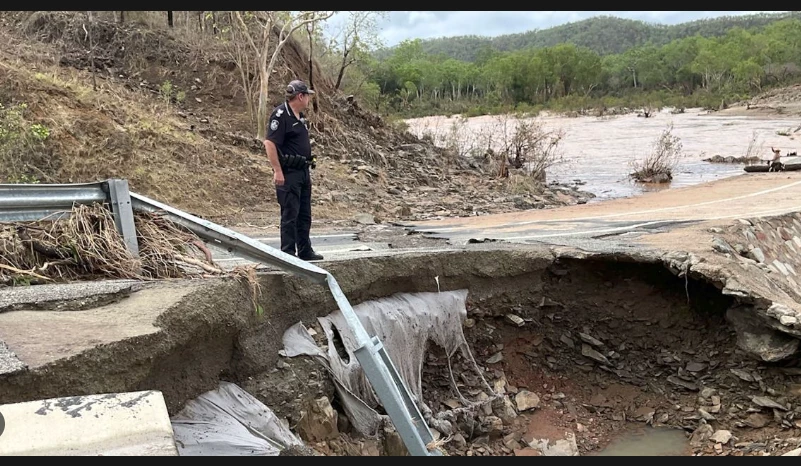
310, 30
342, 69
122, 17
214, 23
169, 18
200, 26
264, 94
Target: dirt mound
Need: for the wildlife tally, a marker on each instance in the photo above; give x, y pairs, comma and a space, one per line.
168, 113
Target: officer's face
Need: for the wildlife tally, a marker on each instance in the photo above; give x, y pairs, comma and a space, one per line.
304, 100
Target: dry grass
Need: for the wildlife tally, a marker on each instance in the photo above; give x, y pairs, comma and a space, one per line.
87, 245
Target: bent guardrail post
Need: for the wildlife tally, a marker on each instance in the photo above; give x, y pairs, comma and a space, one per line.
120, 199
382, 374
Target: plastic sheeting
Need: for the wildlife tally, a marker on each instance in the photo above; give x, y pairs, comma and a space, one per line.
230, 422
404, 323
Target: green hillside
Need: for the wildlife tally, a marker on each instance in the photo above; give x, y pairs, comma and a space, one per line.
603, 35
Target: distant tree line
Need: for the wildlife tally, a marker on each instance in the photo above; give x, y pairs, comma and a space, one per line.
691, 71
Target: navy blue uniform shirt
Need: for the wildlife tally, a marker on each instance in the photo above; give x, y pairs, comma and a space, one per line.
289, 132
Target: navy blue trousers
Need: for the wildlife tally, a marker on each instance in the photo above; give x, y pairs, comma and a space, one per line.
294, 197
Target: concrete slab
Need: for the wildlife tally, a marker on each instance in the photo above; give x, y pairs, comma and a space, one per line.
39, 337
9, 362
68, 296
114, 424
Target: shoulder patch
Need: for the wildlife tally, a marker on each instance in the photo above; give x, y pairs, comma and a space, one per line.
279, 112
274, 125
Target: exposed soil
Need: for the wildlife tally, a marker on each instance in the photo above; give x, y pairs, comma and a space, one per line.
199, 153
781, 102
606, 346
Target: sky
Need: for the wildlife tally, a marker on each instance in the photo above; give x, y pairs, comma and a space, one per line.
402, 25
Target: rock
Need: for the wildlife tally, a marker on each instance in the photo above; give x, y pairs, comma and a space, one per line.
788, 320
766, 402
561, 447
705, 415
708, 392
644, 414
695, 367
515, 320
512, 441
757, 420
318, 421
364, 219
757, 255
682, 383
499, 386
505, 410
743, 375
715, 400
493, 425
796, 452
588, 339
580, 428
485, 407
528, 451
758, 340
526, 400
495, 358
701, 434
587, 351
469, 323
393, 443
451, 403
567, 341
298, 450
458, 441
721, 436
722, 247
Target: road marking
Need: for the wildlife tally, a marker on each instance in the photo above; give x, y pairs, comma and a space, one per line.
623, 214
326, 251
278, 238
631, 227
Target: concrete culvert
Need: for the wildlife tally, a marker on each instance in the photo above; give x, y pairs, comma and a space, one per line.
519, 354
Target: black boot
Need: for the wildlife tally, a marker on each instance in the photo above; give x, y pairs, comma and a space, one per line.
313, 256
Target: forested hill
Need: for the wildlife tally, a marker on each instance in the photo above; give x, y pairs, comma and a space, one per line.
603, 34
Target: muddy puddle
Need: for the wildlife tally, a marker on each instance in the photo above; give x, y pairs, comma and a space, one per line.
597, 150
648, 441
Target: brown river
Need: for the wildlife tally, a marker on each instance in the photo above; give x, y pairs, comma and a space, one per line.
597, 151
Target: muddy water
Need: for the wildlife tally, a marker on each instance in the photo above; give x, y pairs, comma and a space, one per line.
598, 151
648, 441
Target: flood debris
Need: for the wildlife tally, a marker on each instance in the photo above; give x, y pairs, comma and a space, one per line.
87, 246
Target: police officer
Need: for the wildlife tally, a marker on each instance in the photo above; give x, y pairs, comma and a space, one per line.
289, 151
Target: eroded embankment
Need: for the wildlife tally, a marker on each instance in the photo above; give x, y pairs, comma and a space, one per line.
573, 344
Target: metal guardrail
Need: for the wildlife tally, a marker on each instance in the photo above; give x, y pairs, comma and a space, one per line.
28, 202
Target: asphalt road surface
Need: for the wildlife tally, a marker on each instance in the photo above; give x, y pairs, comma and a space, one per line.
607, 225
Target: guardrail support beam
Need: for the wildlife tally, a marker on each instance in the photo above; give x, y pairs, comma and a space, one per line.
121, 207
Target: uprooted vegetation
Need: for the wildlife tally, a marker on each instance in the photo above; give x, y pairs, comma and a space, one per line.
87, 244
659, 164
169, 114
516, 149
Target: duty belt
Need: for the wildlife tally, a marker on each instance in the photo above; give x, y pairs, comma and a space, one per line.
294, 161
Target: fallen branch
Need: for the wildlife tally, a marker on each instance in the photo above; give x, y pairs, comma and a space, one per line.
23, 272
201, 264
